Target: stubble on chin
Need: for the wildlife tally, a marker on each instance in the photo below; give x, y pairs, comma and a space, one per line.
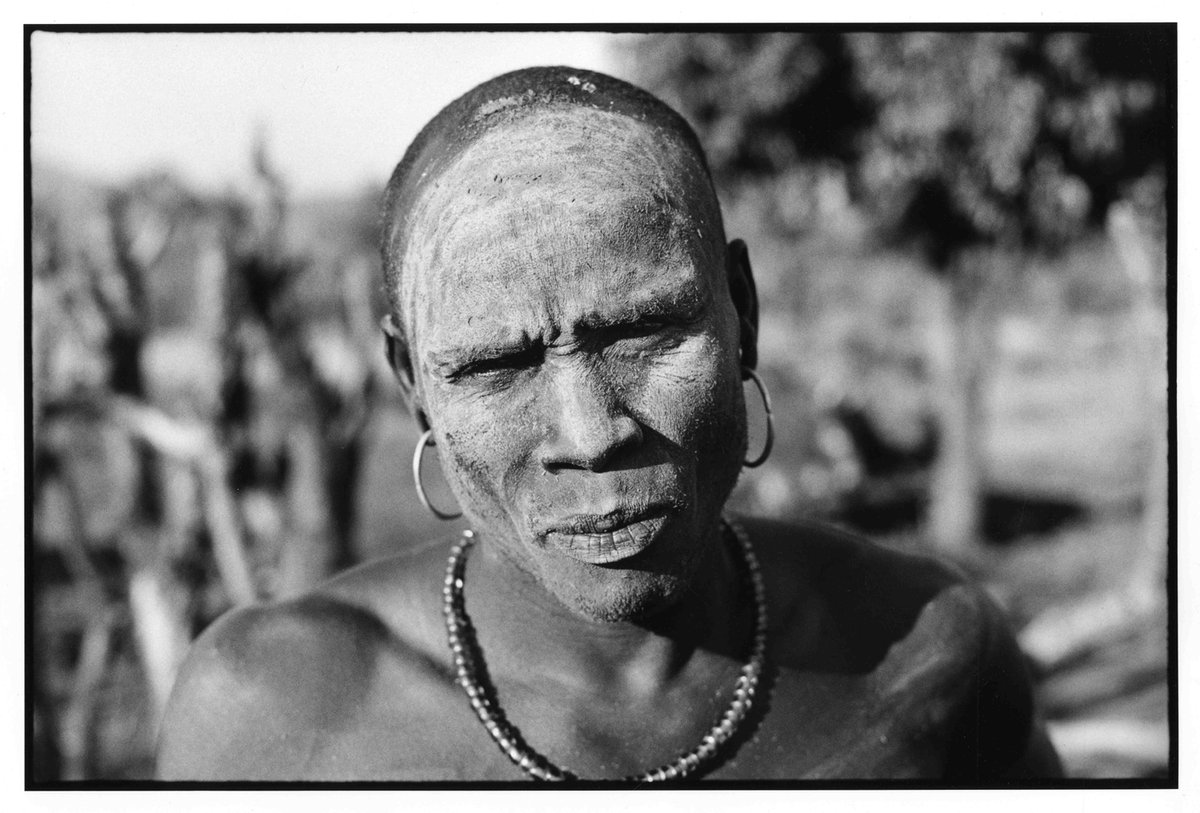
616, 594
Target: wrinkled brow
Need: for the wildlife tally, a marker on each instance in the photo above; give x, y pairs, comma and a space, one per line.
684, 304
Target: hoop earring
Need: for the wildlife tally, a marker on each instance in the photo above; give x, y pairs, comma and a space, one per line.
426, 440
762, 389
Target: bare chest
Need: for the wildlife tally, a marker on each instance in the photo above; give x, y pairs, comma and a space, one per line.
822, 727
833, 727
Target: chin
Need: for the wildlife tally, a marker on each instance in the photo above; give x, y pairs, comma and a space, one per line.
634, 589
634, 600
624, 593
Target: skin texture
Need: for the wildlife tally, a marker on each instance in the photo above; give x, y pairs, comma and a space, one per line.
883, 666
572, 325
581, 359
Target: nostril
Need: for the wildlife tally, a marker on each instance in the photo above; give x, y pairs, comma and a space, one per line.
588, 422
591, 446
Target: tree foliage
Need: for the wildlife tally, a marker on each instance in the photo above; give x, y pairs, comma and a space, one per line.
952, 139
761, 103
202, 394
1012, 139
977, 148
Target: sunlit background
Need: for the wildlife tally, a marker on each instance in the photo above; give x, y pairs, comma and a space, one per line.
337, 109
959, 247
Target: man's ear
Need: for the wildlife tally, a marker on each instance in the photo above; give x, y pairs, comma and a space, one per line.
745, 300
396, 350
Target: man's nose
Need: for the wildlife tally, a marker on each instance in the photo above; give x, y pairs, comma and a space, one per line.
589, 424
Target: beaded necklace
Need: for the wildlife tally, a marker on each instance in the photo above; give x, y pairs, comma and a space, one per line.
465, 650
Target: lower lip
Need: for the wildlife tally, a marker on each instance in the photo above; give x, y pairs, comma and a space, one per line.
610, 547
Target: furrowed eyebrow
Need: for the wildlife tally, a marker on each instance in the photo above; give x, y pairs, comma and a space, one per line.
685, 306
451, 360
680, 306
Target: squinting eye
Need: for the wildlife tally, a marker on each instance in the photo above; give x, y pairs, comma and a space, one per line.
644, 329
642, 336
506, 363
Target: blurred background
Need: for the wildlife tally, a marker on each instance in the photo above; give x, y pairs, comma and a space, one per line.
959, 241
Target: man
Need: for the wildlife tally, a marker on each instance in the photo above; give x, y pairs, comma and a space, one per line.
571, 327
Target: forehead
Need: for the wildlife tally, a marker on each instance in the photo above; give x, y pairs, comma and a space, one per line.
556, 194
570, 144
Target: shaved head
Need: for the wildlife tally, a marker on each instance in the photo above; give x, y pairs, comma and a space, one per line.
563, 303
553, 99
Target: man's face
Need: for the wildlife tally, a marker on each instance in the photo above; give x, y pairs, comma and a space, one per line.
575, 348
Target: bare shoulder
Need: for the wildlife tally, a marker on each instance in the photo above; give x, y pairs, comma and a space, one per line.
931, 644
262, 683
404, 592
867, 598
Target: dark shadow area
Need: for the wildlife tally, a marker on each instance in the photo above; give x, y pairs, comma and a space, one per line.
867, 597
880, 508
881, 456
896, 506
1009, 516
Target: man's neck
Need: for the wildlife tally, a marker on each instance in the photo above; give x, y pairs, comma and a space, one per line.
527, 633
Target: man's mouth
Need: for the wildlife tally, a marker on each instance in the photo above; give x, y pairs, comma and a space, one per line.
603, 539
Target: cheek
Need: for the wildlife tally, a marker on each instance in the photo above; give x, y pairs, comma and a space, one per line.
717, 431
691, 395
486, 441
689, 399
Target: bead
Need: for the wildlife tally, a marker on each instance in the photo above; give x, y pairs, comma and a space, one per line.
460, 637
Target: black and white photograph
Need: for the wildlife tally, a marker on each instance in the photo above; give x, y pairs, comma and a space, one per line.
746, 406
